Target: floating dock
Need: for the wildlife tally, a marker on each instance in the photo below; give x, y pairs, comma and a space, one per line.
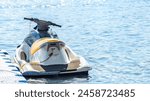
9, 73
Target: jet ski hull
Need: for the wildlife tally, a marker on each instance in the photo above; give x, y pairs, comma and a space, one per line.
75, 64
41, 74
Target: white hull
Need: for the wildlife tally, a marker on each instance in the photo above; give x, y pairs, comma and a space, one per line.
49, 57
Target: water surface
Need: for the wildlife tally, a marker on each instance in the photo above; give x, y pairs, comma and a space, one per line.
113, 36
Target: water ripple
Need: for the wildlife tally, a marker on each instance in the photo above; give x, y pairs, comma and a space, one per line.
113, 37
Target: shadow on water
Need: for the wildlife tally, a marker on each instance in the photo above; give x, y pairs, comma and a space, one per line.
59, 79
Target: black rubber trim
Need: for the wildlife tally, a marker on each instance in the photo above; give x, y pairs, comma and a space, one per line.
60, 67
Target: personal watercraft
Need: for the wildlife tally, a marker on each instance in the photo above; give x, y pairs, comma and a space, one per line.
48, 55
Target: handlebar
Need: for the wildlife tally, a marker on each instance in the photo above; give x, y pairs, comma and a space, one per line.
42, 21
31, 19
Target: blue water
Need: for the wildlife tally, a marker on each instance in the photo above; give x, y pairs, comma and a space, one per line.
113, 35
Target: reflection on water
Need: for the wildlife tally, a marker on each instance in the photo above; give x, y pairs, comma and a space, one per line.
63, 79
112, 35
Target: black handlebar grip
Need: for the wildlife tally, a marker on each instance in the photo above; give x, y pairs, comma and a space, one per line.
31, 19
55, 24
58, 25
